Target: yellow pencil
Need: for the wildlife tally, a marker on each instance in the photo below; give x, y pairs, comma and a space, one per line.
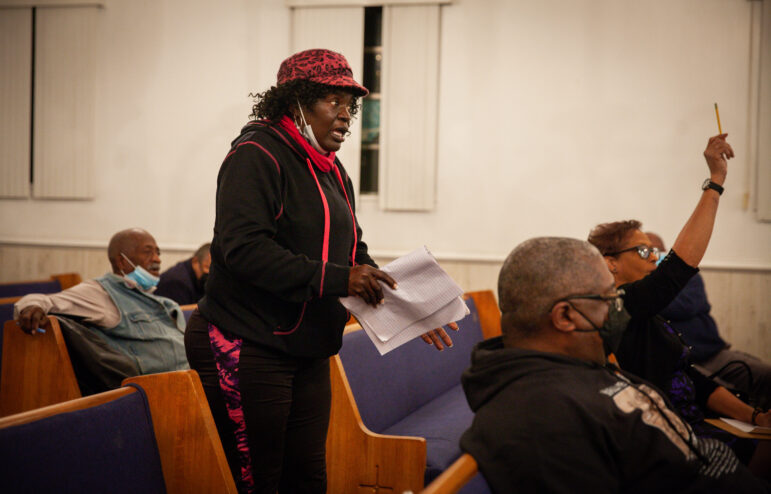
717, 114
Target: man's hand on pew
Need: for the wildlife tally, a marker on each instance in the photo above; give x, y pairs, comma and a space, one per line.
31, 318
438, 336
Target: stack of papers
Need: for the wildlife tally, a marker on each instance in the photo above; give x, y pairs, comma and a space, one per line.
426, 298
745, 427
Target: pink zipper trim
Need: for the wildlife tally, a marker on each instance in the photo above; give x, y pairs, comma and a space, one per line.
353, 218
278, 168
283, 333
325, 247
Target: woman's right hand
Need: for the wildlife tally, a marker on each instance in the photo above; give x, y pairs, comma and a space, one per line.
717, 153
364, 281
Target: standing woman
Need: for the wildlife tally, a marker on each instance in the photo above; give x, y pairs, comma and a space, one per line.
286, 246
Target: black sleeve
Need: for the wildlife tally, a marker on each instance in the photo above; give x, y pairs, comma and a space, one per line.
249, 202
689, 303
703, 386
362, 251
650, 295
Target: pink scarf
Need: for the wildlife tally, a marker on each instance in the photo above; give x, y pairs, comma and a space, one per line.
323, 163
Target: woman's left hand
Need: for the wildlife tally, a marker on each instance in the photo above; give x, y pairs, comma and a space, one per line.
438, 336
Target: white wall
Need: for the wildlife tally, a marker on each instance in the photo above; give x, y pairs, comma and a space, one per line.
554, 115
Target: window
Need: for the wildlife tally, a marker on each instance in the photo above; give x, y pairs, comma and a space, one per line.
393, 45
370, 112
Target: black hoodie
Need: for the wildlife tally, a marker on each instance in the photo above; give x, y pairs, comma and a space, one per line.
277, 217
550, 423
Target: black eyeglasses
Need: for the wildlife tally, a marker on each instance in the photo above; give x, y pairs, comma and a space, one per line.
643, 251
616, 299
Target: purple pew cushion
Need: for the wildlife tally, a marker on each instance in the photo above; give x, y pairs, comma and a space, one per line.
388, 388
106, 448
20, 289
477, 485
441, 421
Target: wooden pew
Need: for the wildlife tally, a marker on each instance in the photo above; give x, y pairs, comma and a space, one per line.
358, 458
36, 369
17, 289
191, 456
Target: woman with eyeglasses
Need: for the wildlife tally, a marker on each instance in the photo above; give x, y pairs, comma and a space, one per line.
649, 347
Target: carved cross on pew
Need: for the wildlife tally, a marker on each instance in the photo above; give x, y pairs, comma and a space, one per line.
375, 488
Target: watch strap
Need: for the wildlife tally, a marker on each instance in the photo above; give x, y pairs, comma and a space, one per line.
709, 184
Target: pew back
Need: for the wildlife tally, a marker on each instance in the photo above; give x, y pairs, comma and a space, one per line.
36, 369
105, 442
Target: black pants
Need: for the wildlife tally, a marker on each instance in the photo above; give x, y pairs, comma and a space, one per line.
271, 411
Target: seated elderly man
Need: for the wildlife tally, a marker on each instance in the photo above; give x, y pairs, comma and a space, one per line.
184, 282
121, 305
552, 416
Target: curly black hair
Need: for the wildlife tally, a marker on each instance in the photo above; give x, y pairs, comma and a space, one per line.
278, 100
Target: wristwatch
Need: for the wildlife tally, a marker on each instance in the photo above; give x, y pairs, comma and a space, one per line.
709, 184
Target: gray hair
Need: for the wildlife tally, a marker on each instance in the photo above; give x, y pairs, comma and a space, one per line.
540, 271
125, 241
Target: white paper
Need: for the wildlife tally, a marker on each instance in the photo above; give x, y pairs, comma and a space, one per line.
426, 298
745, 427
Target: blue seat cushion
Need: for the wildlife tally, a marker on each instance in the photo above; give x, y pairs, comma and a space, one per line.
441, 421
390, 387
20, 289
106, 448
477, 485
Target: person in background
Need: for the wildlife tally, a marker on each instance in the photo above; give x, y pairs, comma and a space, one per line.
184, 282
121, 306
552, 416
689, 314
286, 246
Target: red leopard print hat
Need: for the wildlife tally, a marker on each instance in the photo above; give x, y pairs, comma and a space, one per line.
322, 66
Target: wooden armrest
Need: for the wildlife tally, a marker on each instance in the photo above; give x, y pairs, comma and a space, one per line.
456, 476
192, 456
36, 369
489, 314
359, 459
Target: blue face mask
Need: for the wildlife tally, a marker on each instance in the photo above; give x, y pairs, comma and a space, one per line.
141, 276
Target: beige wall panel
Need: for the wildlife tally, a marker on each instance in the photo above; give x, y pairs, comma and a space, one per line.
340, 30
63, 143
409, 107
740, 306
764, 116
15, 88
19, 262
739, 298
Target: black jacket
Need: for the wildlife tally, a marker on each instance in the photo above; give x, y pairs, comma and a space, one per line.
647, 349
180, 284
547, 423
689, 314
277, 216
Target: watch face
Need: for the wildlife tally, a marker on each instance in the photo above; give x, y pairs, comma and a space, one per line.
705, 185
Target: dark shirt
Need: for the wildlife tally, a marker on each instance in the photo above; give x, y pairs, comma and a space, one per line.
180, 284
648, 349
689, 314
550, 423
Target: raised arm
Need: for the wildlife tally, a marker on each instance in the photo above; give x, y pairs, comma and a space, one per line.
693, 239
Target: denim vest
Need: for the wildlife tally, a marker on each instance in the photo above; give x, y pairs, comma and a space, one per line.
151, 329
